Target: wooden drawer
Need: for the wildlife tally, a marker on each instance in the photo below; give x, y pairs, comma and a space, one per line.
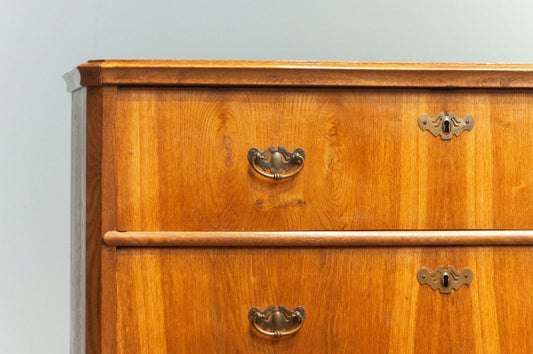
181, 159
356, 299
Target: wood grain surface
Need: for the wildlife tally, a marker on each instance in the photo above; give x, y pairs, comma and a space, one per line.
93, 219
318, 238
306, 73
182, 165
207, 238
357, 300
101, 217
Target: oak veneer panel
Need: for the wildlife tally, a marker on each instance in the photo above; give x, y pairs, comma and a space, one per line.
101, 217
358, 300
181, 159
94, 221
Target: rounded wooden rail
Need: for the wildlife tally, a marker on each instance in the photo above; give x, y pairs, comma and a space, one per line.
319, 238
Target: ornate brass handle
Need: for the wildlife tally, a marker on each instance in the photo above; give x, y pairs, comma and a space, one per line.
277, 322
276, 161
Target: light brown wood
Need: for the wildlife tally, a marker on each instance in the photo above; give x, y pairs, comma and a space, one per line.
357, 300
93, 219
109, 222
101, 217
183, 238
307, 73
182, 160
318, 238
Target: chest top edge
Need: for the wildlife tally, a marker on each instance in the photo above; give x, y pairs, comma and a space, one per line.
304, 74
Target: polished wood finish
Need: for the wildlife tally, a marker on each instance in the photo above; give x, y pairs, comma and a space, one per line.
182, 159
93, 219
109, 222
357, 300
101, 217
183, 238
306, 73
318, 238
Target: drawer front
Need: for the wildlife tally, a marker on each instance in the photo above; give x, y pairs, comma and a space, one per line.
367, 300
181, 159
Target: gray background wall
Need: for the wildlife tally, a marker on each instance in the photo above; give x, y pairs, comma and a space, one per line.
41, 40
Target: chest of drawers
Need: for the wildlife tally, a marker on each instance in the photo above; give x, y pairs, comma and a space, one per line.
183, 234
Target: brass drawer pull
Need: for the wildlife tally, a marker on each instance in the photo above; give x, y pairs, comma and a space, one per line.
446, 125
277, 322
445, 279
276, 161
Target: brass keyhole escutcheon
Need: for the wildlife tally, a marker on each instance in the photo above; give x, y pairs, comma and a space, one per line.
445, 126
445, 279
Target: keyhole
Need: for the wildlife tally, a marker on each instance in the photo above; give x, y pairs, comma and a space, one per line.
446, 126
445, 279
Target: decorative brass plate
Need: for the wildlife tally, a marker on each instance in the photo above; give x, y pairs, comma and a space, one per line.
276, 161
277, 322
445, 279
445, 125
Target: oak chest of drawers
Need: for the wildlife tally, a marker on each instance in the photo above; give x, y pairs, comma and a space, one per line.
301, 207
